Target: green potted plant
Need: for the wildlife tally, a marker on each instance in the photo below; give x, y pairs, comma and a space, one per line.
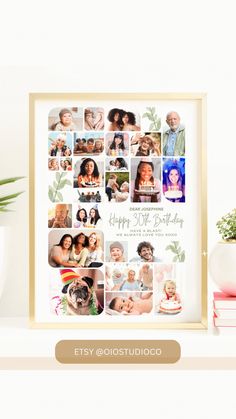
5, 202
222, 261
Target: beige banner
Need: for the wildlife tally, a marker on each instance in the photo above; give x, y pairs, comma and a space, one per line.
117, 352
191, 364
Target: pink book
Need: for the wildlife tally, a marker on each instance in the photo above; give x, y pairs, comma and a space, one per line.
223, 322
222, 301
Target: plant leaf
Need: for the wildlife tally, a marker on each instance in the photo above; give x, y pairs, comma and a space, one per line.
5, 210
67, 182
62, 184
58, 176
7, 197
10, 180
60, 196
3, 204
158, 124
50, 193
172, 248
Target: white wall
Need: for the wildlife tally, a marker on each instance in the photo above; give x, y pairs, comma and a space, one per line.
160, 47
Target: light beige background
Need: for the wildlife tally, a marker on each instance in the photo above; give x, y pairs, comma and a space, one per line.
17, 82
155, 45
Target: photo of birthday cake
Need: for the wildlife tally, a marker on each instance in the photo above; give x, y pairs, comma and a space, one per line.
146, 188
173, 194
170, 307
90, 184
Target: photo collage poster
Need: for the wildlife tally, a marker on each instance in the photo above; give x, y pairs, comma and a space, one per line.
116, 208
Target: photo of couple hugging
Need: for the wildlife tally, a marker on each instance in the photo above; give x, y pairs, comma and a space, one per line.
76, 250
117, 187
121, 120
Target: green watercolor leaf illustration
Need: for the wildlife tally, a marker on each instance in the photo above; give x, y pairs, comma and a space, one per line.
58, 176
60, 196
58, 184
172, 248
62, 184
67, 182
179, 254
155, 124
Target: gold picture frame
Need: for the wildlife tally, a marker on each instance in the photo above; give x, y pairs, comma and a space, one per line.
192, 108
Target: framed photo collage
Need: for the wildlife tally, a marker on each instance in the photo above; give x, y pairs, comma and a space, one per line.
117, 210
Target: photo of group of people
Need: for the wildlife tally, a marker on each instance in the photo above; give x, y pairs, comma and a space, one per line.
136, 289
87, 216
109, 158
71, 248
78, 216
129, 277
153, 162
88, 143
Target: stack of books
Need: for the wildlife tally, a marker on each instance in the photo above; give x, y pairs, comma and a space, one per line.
224, 308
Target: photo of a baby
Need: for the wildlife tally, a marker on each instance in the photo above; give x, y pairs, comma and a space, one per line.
136, 303
65, 119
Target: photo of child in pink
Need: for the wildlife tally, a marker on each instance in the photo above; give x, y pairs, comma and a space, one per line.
170, 302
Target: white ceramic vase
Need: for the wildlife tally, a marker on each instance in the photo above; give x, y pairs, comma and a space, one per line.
222, 266
2, 258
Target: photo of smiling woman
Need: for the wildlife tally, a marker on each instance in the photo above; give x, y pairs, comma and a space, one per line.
76, 250
95, 253
146, 144
60, 253
145, 180
79, 250
81, 218
174, 179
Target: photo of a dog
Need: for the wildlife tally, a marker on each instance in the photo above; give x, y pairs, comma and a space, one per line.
77, 292
80, 296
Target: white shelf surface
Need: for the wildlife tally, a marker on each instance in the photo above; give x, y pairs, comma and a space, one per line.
17, 339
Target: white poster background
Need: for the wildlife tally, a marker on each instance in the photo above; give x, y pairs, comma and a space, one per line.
189, 211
